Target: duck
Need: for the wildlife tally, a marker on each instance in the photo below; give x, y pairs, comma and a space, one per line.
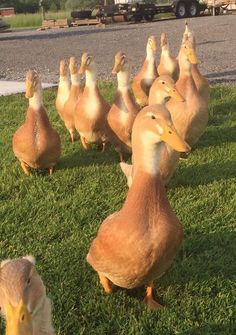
75, 94
63, 90
23, 300
146, 76
91, 109
168, 65
123, 111
36, 144
161, 91
190, 116
201, 82
137, 244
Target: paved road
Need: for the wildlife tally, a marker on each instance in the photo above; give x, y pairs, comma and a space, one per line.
216, 38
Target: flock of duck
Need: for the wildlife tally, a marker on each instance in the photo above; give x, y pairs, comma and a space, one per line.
138, 243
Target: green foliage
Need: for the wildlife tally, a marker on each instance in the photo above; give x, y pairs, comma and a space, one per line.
55, 218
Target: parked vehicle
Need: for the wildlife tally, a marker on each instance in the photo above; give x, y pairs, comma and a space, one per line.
3, 25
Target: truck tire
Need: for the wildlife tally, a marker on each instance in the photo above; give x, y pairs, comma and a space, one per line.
193, 9
138, 18
181, 10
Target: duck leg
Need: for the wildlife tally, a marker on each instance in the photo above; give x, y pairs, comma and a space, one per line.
72, 135
25, 168
105, 283
84, 143
149, 300
50, 171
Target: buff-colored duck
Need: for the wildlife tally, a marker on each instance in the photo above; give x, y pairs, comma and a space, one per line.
23, 300
189, 117
91, 110
162, 89
146, 76
36, 144
63, 90
168, 64
74, 96
137, 244
123, 111
201, 82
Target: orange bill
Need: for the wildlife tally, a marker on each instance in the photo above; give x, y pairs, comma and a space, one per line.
29, 89
171, 137
192, 56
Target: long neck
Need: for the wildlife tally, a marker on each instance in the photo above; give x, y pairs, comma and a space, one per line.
184, 66
165, 51
150, 55
123, 79
36, 101
91, 78
43, 320
146, 156
75, 79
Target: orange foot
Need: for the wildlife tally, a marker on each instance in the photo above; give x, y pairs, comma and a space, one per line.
149, 301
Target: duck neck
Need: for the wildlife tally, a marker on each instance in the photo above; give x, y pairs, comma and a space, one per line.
123, 79
150, 55
91, 78
146, 156
36, 101
165, 51
184, 67
75, 79
42, 319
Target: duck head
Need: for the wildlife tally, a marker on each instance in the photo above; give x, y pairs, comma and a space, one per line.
155, 126
121, 63
87, 63
164, 41
73, 65
188, 51
151, 46
164, 90
21, 294
33, 83
63, 69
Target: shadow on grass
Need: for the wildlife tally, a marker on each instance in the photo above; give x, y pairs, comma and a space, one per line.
82, 158
217, 136
203, 174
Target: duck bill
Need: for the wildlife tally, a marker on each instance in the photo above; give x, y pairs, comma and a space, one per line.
73, 66
192, 57
116, 68
29, 89
18, 320
82, 68
154, 47
176, 95
171, 137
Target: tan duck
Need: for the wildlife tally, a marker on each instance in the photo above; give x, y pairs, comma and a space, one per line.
146, 76
63, 88
201, 82
168, 64
91, 110
162, 89
189, 117
123, 111
23, 300
36, 144
74, 96
137, 244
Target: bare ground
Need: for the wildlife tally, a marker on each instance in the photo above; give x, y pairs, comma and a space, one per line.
215, 36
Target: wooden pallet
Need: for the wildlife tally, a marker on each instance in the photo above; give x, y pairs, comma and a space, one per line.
86, 22
59, 23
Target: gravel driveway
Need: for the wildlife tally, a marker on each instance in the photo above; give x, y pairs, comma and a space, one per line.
216, 38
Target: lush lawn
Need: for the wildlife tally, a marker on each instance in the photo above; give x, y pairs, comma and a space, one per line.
55, 219
34, 20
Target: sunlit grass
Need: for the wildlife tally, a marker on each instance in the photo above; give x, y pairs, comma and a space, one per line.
55, 218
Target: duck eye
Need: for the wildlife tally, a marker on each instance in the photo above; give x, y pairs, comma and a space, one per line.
170, 132
28, 281
163, 82
153, 117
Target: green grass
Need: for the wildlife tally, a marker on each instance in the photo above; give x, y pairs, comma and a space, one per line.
55, 218
34, 20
